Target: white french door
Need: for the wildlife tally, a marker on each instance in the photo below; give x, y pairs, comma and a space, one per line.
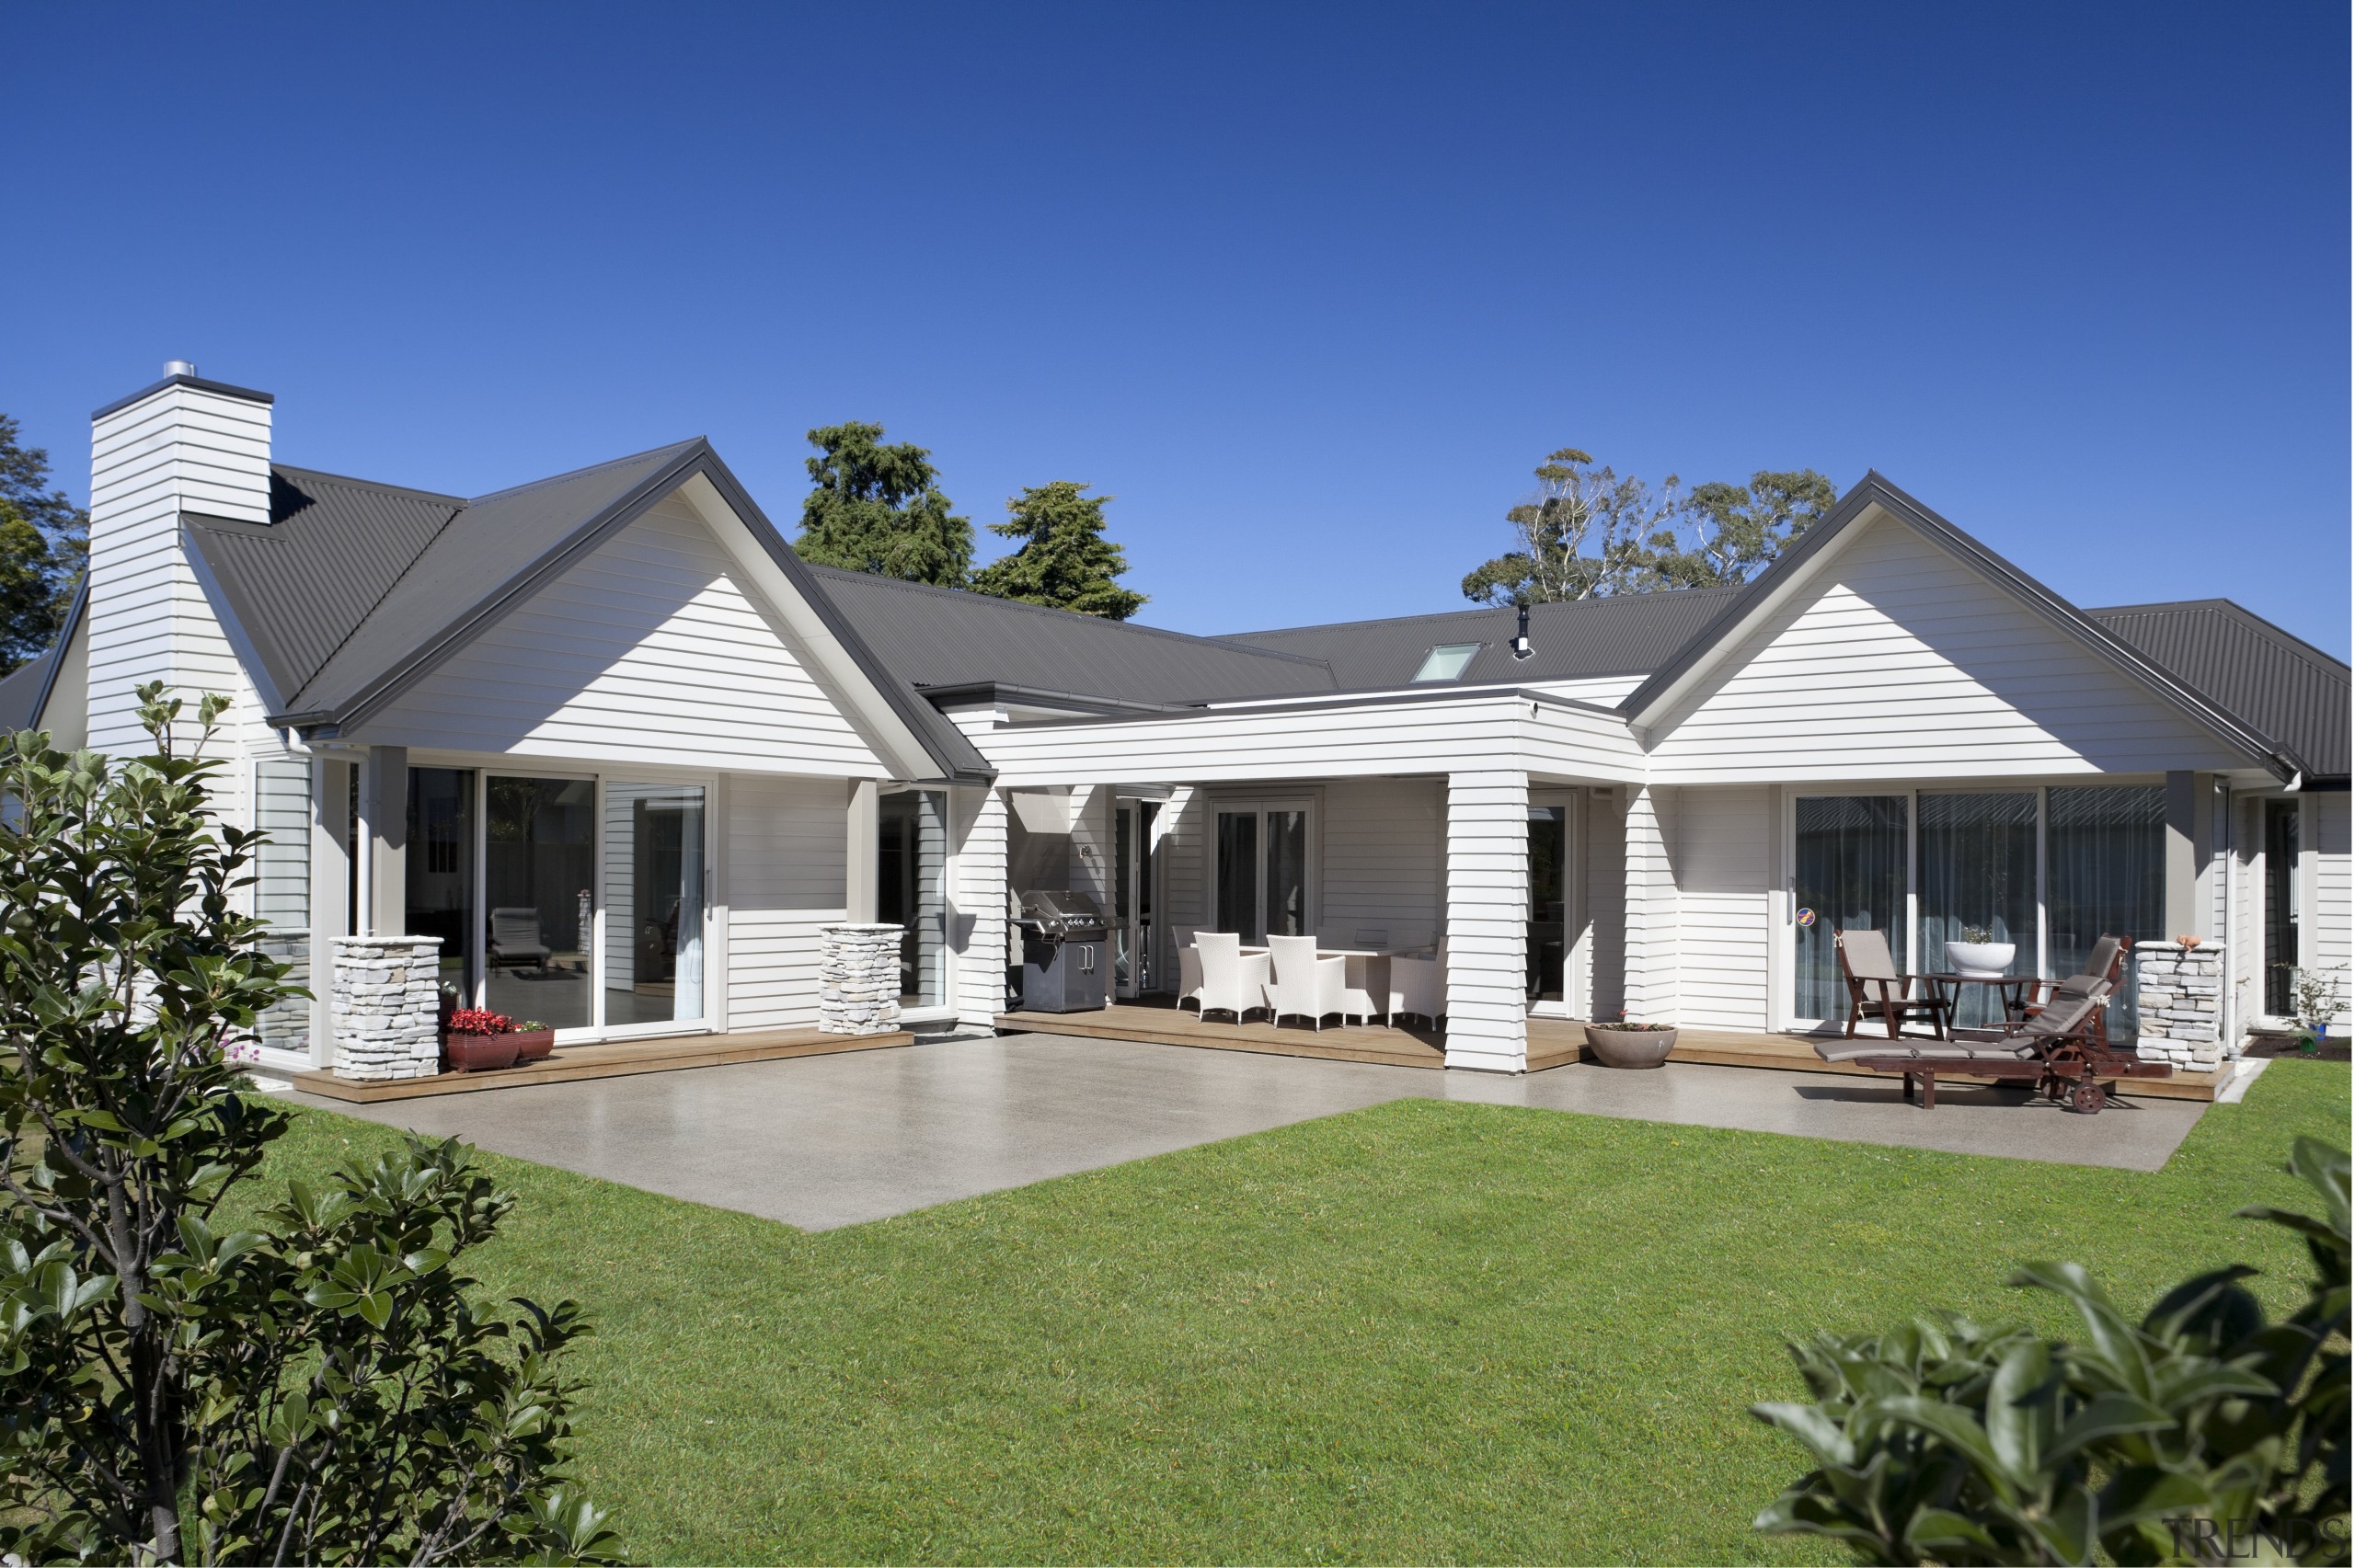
1262, 882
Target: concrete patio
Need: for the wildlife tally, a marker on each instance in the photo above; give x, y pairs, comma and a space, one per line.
824, 1141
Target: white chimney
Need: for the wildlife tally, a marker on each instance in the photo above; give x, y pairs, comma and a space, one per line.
182, 446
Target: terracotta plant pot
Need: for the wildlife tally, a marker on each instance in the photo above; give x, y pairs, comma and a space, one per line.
532, 1045
1630, 1048
478, 1053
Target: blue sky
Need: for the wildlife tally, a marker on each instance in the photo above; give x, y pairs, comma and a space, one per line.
1309, 289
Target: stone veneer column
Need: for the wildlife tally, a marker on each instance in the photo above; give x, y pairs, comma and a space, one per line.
387, 1006
2181, 995
858, 978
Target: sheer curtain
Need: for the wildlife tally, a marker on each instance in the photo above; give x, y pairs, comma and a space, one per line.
2105, 872
1850, 874
1978, 868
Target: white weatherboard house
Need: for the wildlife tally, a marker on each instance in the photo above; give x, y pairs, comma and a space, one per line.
625, 757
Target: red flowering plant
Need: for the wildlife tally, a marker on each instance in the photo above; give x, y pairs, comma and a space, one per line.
480, 1021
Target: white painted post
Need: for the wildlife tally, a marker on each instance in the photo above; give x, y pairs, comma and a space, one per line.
978, 916
1487, 916
1651, 991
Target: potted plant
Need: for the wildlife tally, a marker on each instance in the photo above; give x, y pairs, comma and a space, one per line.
2314, 1002
533, 1040
1624, 1044
1979, 955
478, 1040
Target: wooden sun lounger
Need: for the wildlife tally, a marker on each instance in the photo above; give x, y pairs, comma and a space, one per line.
2062, 1053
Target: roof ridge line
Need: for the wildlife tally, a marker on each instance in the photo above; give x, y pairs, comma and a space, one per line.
576, 473
1480, 609
2263, 626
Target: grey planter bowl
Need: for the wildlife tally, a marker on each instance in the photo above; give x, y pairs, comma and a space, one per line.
1630, 1048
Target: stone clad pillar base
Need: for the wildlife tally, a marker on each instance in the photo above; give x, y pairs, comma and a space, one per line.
858, 978
387, 1006
2181, 998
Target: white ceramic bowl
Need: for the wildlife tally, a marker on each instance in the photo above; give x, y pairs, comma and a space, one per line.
1980, 960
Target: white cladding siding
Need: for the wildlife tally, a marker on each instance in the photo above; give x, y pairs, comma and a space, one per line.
1386, 860
1487, 915
648, 650
1605, 937
180, 450
977, 905
1184, 826
2334, 908
1902, 661
1649, 987
1722, 864
785, 844
1604, 691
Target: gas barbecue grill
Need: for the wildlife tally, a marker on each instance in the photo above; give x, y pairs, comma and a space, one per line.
1063, 952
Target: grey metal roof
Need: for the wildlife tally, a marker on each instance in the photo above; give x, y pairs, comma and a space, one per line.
2291, 689
1627, 634
480, 555
332, 549
940, 637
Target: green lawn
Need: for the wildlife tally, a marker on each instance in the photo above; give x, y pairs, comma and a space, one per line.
1421, 1332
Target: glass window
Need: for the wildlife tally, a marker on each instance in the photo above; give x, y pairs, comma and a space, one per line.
1977, 871
440, 870
539, 877
2105, 874
1239, 874
1446, 661
1849, 875
1548, 866
1287, 874
912, 864
2281, 906
654, 903
281, 870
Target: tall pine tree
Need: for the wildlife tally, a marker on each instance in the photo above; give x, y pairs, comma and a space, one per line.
878, 509
1065, 563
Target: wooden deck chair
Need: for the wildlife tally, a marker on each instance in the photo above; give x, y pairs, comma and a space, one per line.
1876, 991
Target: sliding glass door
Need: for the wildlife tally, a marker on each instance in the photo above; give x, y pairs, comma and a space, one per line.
539, 891
654, 904
1261, 869
2047, 870
1976, 884
1848, 875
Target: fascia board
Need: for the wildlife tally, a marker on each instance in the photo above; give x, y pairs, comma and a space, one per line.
75, 613
915, 740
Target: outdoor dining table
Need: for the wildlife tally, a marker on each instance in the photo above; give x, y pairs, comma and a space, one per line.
1947, 988
1367, 970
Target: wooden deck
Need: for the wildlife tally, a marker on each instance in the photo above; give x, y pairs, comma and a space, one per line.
1553, 1042
569, 1064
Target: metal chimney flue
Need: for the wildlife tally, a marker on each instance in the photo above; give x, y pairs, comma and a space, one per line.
1521, 649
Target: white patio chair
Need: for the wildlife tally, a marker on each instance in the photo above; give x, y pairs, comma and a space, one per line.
1305, 985
1189, 969
1419, 985
1232, 980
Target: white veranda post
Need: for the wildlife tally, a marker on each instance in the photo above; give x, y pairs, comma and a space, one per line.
1487, 916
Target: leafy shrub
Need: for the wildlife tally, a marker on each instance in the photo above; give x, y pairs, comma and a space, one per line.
2202, 1430
324, 1388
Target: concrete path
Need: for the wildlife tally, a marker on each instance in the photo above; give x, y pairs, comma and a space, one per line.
822, 1141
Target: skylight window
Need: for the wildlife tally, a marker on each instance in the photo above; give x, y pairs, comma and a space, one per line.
1446, 661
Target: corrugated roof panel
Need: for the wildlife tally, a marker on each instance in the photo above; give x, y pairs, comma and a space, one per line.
933, 636
476, 558
2288, 689
1626, 635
